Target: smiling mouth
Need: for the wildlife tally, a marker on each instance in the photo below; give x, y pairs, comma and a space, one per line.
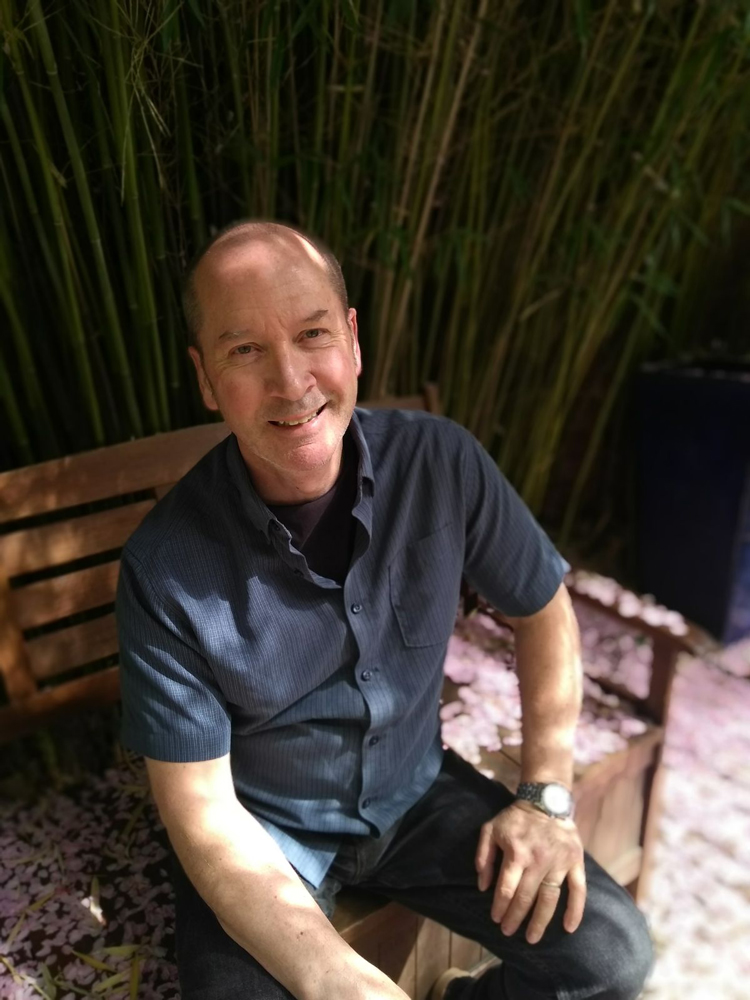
297, 423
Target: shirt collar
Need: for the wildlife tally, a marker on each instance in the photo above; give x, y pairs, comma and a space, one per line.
365, 461
256, 509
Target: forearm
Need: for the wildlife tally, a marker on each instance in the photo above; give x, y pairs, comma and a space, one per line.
548, 659
261, 903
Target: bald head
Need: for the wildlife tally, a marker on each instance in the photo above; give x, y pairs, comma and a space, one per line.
262, 246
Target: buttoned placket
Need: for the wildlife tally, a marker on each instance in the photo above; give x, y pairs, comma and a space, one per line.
282, 540
355, 603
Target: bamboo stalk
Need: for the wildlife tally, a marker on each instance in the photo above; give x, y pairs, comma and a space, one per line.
73, 320
151, 347
113, 338
31, 201
29, 379
230, 44
400, 214
13, 412
440, 159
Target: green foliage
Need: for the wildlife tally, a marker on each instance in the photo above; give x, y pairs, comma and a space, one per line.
522, 195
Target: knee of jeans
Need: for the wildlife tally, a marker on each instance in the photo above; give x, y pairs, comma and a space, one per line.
632, 955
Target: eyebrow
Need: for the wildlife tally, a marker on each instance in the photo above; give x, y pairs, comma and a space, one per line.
312, 318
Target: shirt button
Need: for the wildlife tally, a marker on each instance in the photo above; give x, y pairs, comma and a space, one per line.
356, 608
366, 675
366, 803
374, 740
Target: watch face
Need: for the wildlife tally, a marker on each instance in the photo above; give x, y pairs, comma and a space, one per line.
556, 798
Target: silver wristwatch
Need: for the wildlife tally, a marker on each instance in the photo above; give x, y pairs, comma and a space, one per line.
551, 798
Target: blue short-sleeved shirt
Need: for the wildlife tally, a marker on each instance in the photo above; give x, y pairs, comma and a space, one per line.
325, 696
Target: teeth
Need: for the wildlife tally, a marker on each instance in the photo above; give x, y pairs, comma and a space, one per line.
296, 423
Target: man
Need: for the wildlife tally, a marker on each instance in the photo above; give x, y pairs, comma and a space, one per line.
284, 614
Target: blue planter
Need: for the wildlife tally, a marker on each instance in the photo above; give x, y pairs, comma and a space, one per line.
693, 492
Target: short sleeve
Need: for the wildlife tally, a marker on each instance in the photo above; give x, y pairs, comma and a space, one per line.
508, 559
172, 707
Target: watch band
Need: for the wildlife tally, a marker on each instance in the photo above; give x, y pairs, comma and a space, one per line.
533, 792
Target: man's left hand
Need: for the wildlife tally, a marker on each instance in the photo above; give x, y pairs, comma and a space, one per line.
536, 848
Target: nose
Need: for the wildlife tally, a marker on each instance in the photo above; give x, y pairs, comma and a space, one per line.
288, 374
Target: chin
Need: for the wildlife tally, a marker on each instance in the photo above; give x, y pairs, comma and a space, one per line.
315, 455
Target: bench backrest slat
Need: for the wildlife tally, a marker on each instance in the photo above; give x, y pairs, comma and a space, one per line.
61, 596
72, 647
105, 472
33, 549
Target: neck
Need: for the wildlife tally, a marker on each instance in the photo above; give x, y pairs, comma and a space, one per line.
277, 488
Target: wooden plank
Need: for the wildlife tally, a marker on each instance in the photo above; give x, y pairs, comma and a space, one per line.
695, 641
618, 829
55, 544
652, 795
504, 769
432, 398
14, 663
433, 948
465, 954
68, 648
397, 952
49, 600
626, 869
358, 914
586, 815
45, 706
630, 760
663, 670
105, 472
368, 947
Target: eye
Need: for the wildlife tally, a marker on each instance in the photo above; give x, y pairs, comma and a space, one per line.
313, 334
243, 349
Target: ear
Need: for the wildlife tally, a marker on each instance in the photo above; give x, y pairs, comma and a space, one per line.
204, 385
351, 319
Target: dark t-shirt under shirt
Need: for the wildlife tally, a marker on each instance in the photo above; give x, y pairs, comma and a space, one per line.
323, 529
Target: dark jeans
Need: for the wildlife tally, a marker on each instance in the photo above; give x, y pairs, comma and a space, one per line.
426, 862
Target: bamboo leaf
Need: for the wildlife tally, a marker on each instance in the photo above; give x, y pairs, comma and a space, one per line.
11, 969
107, 984
15, 929
123, 950
135, 978
50, 986
95, 963
40, 902
739, 206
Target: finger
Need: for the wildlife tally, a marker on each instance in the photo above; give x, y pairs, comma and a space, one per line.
485, 857
576, 898
523, 899
505, 891
547, 900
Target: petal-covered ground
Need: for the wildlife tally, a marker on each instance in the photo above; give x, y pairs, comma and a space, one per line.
85, 899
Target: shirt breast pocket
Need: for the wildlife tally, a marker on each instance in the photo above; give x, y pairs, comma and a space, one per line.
425, 583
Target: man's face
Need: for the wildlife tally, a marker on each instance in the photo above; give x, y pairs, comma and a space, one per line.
277, 348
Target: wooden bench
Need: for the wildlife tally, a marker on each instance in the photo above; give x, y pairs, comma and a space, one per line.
63, 524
